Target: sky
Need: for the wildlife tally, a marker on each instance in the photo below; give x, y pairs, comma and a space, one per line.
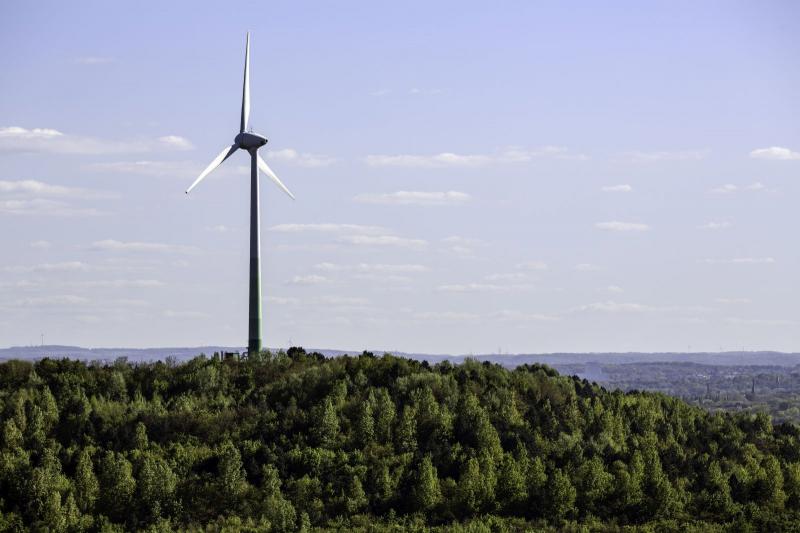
471, 177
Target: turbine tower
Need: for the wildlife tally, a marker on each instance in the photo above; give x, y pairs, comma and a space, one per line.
251, 142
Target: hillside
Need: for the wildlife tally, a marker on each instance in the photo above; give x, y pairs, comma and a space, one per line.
296, 441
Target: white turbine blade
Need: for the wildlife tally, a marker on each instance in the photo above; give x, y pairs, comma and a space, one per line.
268, 171
223, 155
246, 88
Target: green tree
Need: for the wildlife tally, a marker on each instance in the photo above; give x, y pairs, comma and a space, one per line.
385, 413
768, 485
87, 488
470, 488
536, 482
427, 493
366, 424
561, 495
155, 485
407, 431
326, 426
512, 490
140, 440
230, 476
355, 499
117, 485
384, 486
45, 485
278, 510
595, 484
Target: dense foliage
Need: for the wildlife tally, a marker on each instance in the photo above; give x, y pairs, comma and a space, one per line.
294, 441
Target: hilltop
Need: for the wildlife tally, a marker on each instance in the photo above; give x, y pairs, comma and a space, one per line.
295, 440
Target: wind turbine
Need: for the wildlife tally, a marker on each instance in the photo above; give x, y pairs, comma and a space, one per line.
251, 142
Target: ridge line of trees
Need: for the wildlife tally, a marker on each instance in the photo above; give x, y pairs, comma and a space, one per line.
292, 441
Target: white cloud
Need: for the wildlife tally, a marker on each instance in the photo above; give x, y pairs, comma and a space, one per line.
382, 273
372, 268
612, 306
111, 245
384, 278
176, 142
532, 265
61, 300
93, 60
383, 268
152, 168
511, 276
730, 188
725, 189
415, 198
120, 284
384, 240
429, 92
586, 267
617, 188
38, 188
732, 300
463, 246
47, 140
447, 316
740, 260
328, 228
681, 155
516, 154
511, 154
761, 321
22, 284
621, 226
311, 279
43, 207
36, 198
471, 287
41, 245
715, 225
281, 300
496, 316
169, 313
483, 287
775, 152
517, 316
343, 300
294, 157
612, 289
457, 240
445, 159
51, 267
131, 302
616, 307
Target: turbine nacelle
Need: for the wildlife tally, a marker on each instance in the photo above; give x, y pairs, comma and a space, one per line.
250, 141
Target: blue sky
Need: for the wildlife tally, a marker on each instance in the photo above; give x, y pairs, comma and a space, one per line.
522, 176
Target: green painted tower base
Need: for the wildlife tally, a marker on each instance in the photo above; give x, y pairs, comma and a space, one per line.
254, 337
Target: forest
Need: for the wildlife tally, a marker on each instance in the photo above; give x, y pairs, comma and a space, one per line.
295, 441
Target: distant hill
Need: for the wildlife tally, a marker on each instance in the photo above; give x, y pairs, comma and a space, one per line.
507, 360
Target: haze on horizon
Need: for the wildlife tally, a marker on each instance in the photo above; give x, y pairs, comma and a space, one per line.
532, 177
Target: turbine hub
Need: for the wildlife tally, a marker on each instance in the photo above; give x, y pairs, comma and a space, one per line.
249, 141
